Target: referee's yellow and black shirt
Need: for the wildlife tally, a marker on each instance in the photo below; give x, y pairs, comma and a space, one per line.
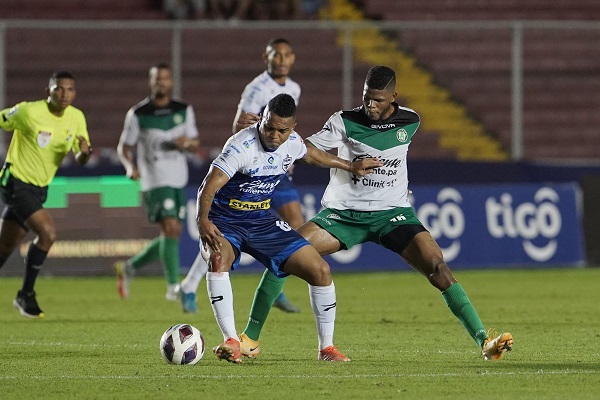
41, 139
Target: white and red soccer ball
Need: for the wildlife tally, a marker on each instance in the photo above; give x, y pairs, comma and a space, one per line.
182, 344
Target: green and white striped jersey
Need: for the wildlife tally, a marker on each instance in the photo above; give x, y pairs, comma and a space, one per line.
356, 136
154, 129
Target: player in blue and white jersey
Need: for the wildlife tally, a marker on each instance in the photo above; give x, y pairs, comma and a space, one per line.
279, 58
233, 217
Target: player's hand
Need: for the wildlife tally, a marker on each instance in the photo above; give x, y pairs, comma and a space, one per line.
184, 143
84, 146
132, 173
210, 235
365, 166
246, 119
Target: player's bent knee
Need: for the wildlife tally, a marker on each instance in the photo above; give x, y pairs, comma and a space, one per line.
321, 273
47, 236
441, 277
216, 262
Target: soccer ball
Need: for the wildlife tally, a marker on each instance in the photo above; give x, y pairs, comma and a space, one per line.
182, 344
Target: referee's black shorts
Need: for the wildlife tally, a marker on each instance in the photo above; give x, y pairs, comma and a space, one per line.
21, 199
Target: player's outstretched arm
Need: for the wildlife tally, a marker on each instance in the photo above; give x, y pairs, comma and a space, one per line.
323, 159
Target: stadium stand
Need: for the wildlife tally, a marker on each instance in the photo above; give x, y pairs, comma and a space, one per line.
472, 10
110, 77
82, 9
216, 91
111, 67
561, 81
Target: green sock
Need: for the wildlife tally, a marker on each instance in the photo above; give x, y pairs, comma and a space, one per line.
267, 291
461, 307
146, 256
169, 256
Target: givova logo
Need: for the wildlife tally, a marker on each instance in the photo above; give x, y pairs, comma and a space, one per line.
445, 219
528, 221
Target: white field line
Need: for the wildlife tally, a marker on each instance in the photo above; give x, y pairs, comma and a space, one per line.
307, 376
141, 345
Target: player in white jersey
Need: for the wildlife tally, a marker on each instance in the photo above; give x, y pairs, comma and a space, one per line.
233, 216
375, 208
157, 135
279, 58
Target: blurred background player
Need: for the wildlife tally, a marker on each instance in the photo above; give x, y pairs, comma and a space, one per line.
377, 209
44, 131
279, 58
157, 134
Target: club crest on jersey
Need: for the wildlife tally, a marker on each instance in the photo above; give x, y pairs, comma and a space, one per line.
12, 111
43, 139
178, 119
287, 161
169, 204
248, 142
402, 135
252, 171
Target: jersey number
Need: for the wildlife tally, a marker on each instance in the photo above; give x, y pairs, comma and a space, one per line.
283, 226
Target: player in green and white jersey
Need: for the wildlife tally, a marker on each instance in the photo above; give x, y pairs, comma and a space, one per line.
375, 208
157, 134
44, 131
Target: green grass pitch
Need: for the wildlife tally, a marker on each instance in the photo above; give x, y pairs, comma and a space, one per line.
403, 341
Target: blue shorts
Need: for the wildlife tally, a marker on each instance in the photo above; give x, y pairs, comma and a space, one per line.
285, 192
269, 240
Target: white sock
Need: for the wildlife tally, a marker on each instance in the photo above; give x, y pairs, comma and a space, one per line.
191, 281
171, 287
129, 270
220, 296
322, 301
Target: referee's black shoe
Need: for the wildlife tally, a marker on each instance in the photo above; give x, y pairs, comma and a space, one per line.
28, 305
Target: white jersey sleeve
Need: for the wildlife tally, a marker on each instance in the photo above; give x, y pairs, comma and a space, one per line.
331, 135
232, 158
252, 101
191, 130
131, 129
263, 88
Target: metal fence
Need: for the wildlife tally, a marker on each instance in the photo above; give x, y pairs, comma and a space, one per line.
533, 85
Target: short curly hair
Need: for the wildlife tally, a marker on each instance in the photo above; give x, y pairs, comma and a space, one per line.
380, 77
282, 105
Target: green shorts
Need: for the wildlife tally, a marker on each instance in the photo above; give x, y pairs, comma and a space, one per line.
165, 202
354, 227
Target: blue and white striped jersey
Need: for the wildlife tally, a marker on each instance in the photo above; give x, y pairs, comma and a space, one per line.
254, 172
